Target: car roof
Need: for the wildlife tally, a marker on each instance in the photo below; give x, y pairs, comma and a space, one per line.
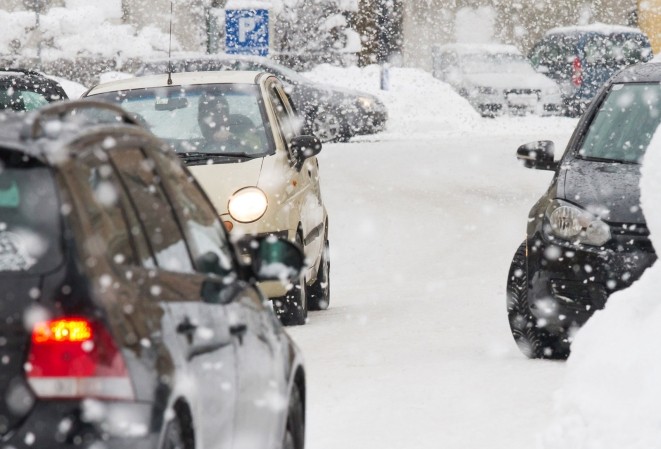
640, 73
594, 28
492, 49
179, 79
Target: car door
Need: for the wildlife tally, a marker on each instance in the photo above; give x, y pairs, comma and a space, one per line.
245, 311
308, 192
206, 367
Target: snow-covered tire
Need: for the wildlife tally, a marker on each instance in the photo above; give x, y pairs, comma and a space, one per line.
295, 430
533, 342
318, 295
292, 309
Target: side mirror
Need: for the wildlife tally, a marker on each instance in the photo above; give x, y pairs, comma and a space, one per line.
538, 155
275, 259
209, 263
305, 147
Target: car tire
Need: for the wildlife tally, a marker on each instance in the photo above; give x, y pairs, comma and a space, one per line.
327, 127
173, 437
532, 341
292, 309
295, 431
319, 292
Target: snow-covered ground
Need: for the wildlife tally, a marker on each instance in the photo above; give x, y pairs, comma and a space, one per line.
415, 351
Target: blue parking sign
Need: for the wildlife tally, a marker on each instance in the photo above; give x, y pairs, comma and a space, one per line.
247, 31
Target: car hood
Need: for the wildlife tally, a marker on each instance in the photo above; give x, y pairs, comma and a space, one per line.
220, 181
512, 81
610, 188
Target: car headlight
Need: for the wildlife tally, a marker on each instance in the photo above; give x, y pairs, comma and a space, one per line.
487, 90
576, 225
365, 102
247, 205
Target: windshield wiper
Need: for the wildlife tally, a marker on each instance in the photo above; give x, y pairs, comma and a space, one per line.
606, 159
196, 156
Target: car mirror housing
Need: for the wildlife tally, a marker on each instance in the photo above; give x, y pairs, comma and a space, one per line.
275, 259
305, 147
538, 155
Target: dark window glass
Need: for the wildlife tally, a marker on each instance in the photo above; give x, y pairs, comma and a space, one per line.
625, 123
30, 222
198, 217
154, 210
99, 199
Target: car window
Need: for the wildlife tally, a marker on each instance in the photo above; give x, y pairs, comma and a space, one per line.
160, 224
625, 123
19, 99
30, 222
286, 121
214, 118
100, 203
198, 217
617, 49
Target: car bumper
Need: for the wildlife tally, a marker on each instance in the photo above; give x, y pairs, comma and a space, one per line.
65, 425
271, 289
564, 292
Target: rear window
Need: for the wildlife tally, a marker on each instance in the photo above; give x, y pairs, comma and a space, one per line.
625, 123
616, 49
30, 225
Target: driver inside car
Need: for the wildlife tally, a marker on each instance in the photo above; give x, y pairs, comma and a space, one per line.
223, 131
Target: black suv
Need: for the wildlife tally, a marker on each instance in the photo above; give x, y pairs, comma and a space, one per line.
128, 320
586, 235
26, 90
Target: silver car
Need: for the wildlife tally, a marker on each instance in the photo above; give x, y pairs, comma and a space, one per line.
496, 79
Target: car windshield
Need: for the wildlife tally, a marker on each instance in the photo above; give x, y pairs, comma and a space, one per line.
222, 119
30, 228
624, 124
495, 63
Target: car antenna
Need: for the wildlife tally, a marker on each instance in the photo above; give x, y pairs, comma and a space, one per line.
170, 47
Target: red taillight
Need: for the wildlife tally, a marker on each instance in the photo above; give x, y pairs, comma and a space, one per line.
577, 72
76, 358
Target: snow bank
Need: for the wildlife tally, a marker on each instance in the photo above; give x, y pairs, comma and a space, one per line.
421, 107
612, 394
82, 28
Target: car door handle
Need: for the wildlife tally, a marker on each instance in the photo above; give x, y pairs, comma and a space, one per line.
186, 327
239, 330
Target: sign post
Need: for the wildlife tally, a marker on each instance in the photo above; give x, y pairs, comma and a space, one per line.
247, 31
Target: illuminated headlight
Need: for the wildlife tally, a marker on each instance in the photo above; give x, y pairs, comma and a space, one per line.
365, 102
577, 225
247, 205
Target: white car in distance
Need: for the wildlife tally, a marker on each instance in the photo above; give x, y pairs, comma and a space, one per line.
496, 79
238, 133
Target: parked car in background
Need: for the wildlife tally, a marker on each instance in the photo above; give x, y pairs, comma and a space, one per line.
496, 79
582, 58
587, 236
237, 132
26, 90
128, 318
329, 112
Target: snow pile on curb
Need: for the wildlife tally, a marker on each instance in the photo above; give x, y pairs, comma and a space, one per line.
612, 393
417, 102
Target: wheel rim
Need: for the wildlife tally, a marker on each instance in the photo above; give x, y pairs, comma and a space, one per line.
327, 129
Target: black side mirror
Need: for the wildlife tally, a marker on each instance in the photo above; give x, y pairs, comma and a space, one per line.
275, 259
209, 263
305, 147
538, 155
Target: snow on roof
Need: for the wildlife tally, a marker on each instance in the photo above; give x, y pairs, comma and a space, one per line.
178, 79
465, 49
602, 28
248, 4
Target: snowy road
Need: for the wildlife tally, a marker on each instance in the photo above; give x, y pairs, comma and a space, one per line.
415, 351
